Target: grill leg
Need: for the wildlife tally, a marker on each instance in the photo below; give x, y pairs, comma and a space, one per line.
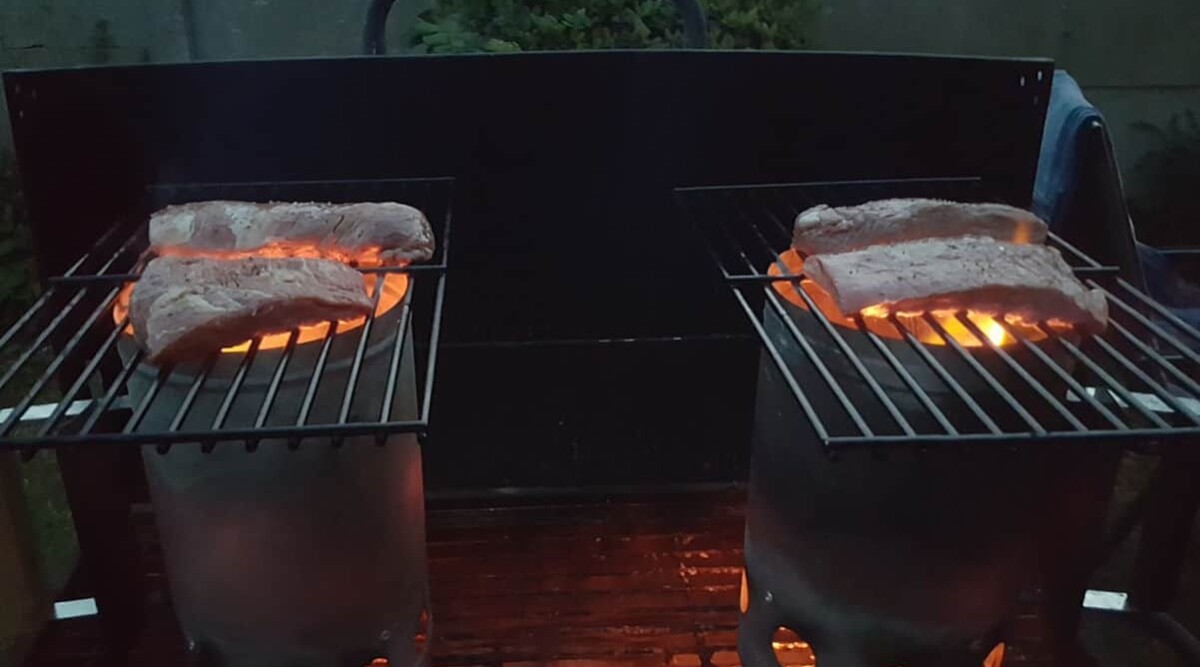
1166, 532
1070, 558
99, 490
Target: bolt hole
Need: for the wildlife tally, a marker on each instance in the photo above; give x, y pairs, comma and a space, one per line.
996, 657
1041, 75
1022, 80
791, 650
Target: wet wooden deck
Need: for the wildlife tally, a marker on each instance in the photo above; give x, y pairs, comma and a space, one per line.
630, 583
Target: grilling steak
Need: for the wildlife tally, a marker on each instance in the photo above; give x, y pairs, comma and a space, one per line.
1029, 281
388, 232
188, 307
822, 229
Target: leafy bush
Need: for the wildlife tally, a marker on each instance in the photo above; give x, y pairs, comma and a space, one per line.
16, 245
459, 26
1165, 207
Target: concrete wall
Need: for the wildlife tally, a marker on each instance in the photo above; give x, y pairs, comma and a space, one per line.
231, 29
62, 33
1139, 60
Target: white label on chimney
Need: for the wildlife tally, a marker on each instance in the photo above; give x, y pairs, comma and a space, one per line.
1148, 401
1105, 600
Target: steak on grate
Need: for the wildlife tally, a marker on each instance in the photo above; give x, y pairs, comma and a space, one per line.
979, 273
394, 233
189, 307
822, 229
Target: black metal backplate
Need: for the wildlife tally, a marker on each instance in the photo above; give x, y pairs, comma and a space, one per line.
564, 223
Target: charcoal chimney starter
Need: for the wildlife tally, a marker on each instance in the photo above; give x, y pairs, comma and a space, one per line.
913, 558
306, 556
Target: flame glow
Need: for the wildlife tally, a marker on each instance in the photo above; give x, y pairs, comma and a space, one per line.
395, 285
791, 650
876, 317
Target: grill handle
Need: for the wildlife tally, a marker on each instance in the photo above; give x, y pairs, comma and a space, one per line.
695, 26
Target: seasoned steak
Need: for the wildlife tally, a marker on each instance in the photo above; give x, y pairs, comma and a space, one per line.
978, 273
188, 307
822, 229
388, 232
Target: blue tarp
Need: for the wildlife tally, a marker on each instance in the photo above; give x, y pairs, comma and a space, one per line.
1068, 117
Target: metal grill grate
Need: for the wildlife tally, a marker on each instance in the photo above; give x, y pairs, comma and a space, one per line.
1137, 380
68, 336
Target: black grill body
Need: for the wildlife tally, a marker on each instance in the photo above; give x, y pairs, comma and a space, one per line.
586, 345
908, 558
586, 341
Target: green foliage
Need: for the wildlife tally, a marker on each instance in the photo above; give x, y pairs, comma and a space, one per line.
497, 26
1165, 207
16, 246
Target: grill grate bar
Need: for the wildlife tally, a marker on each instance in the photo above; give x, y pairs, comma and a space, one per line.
1155, 330
1062, 374
86, 374
110, 394
276, 379
1170, 368
435, 329
1111, 383
359, 353
314, 383
389, 392
1017, 368
1024, 390
906, 377
1166, 315
39, 341
813, 357
160, 380
239, 378
833, 333
788, 377
945, 376
828, 326
45, 297
816, 360
1166, 396
31, 394
88, 289
985, 375
190, 398
210, 438
102, 278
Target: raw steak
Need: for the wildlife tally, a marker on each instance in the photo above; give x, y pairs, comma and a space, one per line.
1029, 281
188, 307
822, 229
390, 232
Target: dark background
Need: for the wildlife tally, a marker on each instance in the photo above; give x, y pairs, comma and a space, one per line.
586, 339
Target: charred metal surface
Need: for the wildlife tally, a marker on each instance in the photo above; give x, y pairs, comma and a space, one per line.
647, 582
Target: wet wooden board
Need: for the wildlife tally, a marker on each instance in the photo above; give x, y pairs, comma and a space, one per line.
629, 583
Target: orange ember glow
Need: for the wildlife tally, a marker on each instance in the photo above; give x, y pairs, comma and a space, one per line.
369, 257
875, 317
790, 650
996, 657
392, 292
